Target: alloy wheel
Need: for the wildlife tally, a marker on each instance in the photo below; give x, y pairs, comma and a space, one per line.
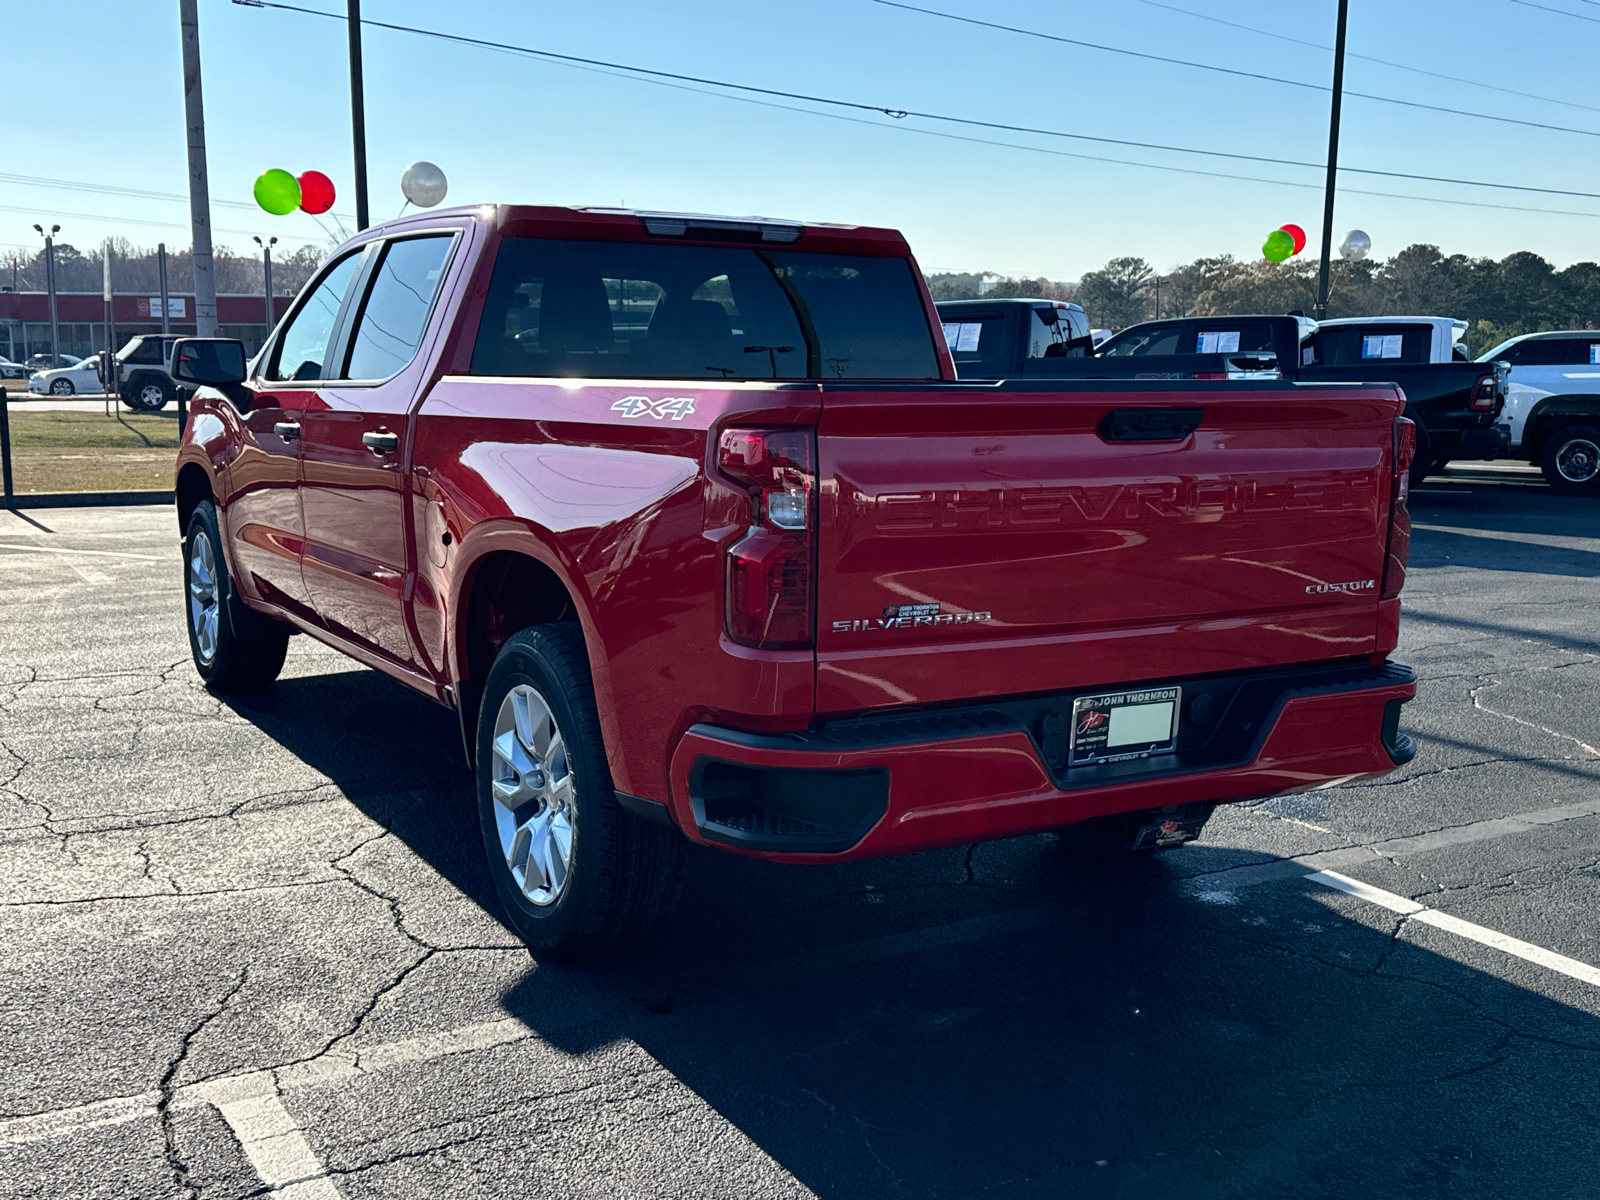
205, 600
1578, 460
150, 395
534, 794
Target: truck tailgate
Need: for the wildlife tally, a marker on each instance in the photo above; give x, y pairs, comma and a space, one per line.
1000, 541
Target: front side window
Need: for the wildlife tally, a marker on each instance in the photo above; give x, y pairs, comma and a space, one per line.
648, 311
392, 320
303, 345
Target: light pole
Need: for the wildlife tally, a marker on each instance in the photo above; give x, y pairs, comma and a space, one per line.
205, 278
1333, 161
266, 268
50, 286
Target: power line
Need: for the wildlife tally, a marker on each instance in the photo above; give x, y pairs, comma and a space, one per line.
34, 211
1199, 66
1560, 11
628, 71
1384, 62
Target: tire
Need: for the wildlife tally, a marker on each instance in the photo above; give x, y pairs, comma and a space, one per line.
1422, 465
1571, 460
580, 879
147, 393
61, 387
232, 652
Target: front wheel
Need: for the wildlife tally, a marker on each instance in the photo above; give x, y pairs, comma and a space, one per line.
1571, 460
230, 655
578, 876
61, 387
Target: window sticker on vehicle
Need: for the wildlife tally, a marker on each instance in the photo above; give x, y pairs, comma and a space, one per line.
962, 336
1218, 342
1382, 346
1594, 352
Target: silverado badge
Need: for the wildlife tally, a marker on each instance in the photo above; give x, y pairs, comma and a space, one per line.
911, 616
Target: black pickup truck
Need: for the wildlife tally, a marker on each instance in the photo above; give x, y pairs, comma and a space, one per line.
1455, 404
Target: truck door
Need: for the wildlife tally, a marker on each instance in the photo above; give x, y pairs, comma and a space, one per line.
353, 446
266, 528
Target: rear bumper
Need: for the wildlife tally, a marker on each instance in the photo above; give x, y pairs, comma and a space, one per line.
1489, 442
899, 784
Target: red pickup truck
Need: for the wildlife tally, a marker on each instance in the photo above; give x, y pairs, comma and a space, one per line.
691, 522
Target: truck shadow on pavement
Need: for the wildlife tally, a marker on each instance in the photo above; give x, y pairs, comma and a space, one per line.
1019, 1019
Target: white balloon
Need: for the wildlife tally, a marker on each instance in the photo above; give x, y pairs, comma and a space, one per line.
423, 184
1356, 245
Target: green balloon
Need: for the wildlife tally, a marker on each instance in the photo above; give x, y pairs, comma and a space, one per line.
1278, 246
278, 192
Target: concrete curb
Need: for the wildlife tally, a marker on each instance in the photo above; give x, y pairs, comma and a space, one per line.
85, 499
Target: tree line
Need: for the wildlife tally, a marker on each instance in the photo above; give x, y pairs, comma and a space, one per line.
1521, 293
134, 269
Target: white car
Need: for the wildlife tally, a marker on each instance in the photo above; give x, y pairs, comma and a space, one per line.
1553, 405
65, 381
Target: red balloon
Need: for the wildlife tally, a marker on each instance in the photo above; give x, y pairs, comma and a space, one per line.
1294, 231
316, 193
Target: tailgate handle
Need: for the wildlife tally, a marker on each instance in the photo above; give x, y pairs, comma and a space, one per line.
1150, 424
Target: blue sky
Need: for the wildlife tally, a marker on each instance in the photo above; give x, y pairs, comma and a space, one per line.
508, 128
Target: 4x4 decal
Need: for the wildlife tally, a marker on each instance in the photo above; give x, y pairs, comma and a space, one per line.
676, 407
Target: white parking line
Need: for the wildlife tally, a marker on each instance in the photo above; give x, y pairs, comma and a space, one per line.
73, 550
277, 1149
1410, 909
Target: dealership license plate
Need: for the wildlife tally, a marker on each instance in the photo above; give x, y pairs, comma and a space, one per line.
1121, 725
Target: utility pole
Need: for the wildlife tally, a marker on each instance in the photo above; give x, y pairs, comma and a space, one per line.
1333, 162
205, 279
50, 286
358, 114
266, 268
161, 270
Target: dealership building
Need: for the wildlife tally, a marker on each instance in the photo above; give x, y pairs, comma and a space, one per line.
81, 320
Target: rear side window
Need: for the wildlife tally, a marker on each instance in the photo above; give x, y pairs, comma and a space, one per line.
396, 311
1538, 352
867, 313
630, 310
977, 342
145, 350
1347, 345
303, 345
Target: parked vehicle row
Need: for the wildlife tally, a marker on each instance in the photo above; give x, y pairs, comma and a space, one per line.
693, 524
142, 375
1455, 404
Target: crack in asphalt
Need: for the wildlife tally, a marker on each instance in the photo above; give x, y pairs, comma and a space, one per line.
166, 1089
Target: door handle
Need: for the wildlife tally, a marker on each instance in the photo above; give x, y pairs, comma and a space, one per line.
287, 430
1150, 424
381, 441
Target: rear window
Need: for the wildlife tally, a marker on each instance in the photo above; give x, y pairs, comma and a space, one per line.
643, 311
977, 342
1347, 345
1188, 338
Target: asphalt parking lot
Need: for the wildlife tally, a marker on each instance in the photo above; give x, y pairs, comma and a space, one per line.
248, 947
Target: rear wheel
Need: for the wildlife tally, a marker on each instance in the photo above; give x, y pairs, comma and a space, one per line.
243, 654
147, 395
1571, 460
578, 876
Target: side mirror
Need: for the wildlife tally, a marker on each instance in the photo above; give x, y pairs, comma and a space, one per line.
213, 362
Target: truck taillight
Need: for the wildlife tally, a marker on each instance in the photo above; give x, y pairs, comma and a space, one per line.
1484, 395
1398, 547
769, 571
